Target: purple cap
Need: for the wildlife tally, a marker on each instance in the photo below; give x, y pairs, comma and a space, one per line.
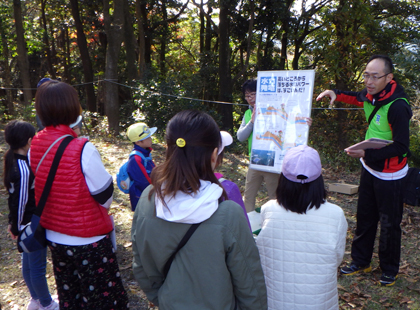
302, 164
42, 81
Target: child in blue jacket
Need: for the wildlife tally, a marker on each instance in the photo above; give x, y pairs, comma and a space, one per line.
141, 164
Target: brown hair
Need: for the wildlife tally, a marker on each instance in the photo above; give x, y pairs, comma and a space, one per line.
16, 134
57, 103
185, 166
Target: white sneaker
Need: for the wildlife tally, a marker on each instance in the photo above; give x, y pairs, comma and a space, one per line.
33, 304
53, 306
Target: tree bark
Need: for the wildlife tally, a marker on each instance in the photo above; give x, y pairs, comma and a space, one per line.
209, 29
114, 27
84, 54
285, 26
225, 85
163, 40
202, 27
22, 53
245, 64
340, 78
46, 41
130, 44
6, 74
142, 39
66, 54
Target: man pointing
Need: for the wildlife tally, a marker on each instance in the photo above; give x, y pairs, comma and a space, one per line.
381, 183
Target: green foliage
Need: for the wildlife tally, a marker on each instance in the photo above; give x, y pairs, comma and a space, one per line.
160, 101
350, 31
414, 160
323, 137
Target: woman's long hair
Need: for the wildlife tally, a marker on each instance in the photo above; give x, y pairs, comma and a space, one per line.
17, 133
186, 165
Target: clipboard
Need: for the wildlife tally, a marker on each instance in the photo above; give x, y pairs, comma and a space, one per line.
372, 143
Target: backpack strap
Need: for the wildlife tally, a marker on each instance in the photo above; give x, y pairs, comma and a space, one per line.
141, 166
143, 169
146, 159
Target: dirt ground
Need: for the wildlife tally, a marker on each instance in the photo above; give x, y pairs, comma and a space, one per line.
353, 293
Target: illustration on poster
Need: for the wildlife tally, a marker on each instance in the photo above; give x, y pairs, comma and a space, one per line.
283, 104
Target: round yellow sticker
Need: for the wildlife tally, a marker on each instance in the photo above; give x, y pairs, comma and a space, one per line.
180, 142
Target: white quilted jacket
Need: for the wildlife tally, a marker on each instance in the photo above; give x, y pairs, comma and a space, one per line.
300, 254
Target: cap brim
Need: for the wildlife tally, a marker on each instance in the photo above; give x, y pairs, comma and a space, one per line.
152, 131
77, 122
226, 140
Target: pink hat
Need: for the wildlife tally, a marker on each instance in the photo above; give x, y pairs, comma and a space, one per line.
301, 164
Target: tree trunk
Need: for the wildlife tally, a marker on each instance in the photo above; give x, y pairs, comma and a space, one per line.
284, 42
258, 65
84, 55
114, 31
245, 64
163, 39
142, 39
209, 30
340, 78
22, 53
6, 74
202, 27
130, 44
225, 87
285, 26
46, 41
66, 53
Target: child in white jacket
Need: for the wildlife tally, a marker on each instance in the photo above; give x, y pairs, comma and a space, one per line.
303, 237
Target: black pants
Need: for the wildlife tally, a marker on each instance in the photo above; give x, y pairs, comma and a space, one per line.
379, 201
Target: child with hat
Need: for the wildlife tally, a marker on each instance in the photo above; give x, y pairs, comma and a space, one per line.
303, 237
141, 164
232, 190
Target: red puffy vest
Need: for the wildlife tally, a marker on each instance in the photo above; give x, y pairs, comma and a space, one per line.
70, 208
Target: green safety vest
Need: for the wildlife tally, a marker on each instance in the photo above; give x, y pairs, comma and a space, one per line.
248, 116
379, 126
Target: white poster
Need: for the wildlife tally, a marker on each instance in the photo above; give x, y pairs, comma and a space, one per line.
283, 104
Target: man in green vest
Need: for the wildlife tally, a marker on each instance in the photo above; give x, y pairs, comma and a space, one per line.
254, 178
388, 115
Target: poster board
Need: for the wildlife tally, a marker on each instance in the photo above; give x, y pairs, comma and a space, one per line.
283, 102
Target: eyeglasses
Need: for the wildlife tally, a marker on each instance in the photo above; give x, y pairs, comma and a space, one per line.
373, 78
249, 95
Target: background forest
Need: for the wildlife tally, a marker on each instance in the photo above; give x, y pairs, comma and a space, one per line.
135, 59
131, 59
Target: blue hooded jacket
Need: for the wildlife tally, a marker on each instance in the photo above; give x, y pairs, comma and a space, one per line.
140, 181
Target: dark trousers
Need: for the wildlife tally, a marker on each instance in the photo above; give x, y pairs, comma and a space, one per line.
379, 201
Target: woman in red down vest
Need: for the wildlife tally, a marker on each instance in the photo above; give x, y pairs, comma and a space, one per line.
75, 216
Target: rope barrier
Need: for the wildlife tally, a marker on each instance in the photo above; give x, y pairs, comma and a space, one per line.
176, 96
